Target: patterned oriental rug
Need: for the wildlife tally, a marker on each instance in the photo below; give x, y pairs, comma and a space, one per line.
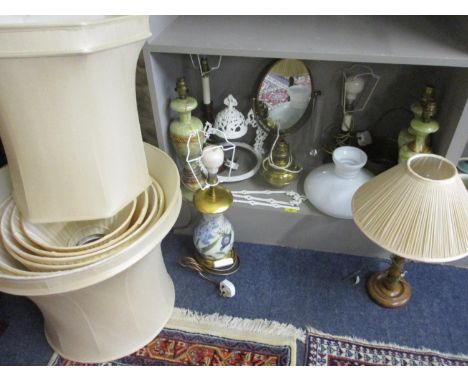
327, 350
193, 339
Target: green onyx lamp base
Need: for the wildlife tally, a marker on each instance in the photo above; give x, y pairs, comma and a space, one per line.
187, 195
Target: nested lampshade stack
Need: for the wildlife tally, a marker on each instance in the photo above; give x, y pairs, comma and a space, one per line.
82, 220
417, 210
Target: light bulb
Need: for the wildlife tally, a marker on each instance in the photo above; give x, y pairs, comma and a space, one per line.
212, 158
353, 87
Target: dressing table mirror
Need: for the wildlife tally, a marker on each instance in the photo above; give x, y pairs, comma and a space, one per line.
282, 104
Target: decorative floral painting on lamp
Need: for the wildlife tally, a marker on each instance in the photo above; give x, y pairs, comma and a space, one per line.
214, 236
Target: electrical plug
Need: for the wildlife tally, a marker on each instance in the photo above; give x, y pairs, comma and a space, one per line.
227, 288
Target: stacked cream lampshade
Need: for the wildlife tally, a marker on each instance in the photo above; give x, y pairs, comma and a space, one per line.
33, 249
84, 203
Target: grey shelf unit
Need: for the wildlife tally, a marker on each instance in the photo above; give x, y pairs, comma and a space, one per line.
408, 52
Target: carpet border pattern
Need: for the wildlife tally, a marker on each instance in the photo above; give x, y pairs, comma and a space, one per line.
324, 349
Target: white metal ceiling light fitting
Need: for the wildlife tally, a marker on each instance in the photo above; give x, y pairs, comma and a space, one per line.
231, 124
247, 149
230, 120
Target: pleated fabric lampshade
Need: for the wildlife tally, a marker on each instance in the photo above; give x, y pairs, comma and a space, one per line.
417, 210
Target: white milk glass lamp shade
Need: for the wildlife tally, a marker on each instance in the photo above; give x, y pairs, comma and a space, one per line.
330, 187
417, 210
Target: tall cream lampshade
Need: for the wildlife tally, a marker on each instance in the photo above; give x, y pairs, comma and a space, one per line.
417, 210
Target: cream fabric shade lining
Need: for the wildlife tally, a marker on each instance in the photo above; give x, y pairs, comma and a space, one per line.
417, 210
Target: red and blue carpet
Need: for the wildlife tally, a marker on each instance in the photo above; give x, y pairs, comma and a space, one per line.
327, 350
192, 339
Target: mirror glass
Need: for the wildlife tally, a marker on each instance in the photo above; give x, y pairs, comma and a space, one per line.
284, 94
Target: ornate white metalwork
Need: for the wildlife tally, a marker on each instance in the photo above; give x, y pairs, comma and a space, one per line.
260, 134
245, 197
230, 120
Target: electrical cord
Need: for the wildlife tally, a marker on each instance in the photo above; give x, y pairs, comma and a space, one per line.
341, 138
191, 263
226, 288
389, 111
365, 266
271, 162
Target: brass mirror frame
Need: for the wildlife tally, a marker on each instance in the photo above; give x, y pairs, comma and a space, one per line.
255, 101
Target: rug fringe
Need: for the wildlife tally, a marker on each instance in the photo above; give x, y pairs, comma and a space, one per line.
258, 326
312, 330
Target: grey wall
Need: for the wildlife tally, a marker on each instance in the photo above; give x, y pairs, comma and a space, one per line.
399, 86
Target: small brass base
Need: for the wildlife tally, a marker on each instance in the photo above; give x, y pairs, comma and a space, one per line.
278, 178
209, 265
398, 295
286, 170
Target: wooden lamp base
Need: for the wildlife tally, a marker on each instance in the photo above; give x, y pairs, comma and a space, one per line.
388, 288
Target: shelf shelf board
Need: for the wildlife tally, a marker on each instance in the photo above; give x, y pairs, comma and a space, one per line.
412, 40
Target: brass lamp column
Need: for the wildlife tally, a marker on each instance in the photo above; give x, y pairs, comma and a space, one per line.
388, 288
213, 237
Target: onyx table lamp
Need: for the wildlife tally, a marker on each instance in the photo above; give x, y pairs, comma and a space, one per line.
417, 210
